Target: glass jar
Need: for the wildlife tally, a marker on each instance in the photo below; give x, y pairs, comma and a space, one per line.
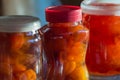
65, 42
102, 17
20, 48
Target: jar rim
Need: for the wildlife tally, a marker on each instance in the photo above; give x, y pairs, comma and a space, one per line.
100, 8
19, 23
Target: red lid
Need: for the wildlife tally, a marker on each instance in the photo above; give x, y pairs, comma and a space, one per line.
63, 13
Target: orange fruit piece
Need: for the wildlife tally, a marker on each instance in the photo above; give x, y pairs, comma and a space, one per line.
79, 73
69, 67
18, 67
16, 41
27, 75
5, 69
113, 54
77, 52
5, 65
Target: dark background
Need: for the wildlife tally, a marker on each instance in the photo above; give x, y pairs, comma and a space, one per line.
0, 7
71, 2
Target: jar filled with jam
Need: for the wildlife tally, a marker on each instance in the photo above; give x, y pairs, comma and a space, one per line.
20, 48
64, 41
102, 17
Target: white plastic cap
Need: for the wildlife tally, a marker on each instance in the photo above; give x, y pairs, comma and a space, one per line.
109, 1
19, 23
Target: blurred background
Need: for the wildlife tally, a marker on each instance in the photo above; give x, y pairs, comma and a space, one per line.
32, 7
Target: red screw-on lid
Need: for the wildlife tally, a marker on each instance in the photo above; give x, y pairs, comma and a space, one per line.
63, 13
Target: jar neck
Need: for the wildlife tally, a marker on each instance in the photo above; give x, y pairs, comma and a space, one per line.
65, 24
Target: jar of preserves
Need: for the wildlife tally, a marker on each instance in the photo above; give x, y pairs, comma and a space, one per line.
20, 48
102, 17
64, 41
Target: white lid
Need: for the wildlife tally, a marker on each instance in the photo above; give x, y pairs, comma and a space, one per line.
108, 1
19, 23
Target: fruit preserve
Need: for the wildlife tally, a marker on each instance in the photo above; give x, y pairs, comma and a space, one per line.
20, 49
103, 54
64, 42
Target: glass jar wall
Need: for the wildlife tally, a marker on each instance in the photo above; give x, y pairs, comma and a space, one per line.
64, 42
102, 17
20, 49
